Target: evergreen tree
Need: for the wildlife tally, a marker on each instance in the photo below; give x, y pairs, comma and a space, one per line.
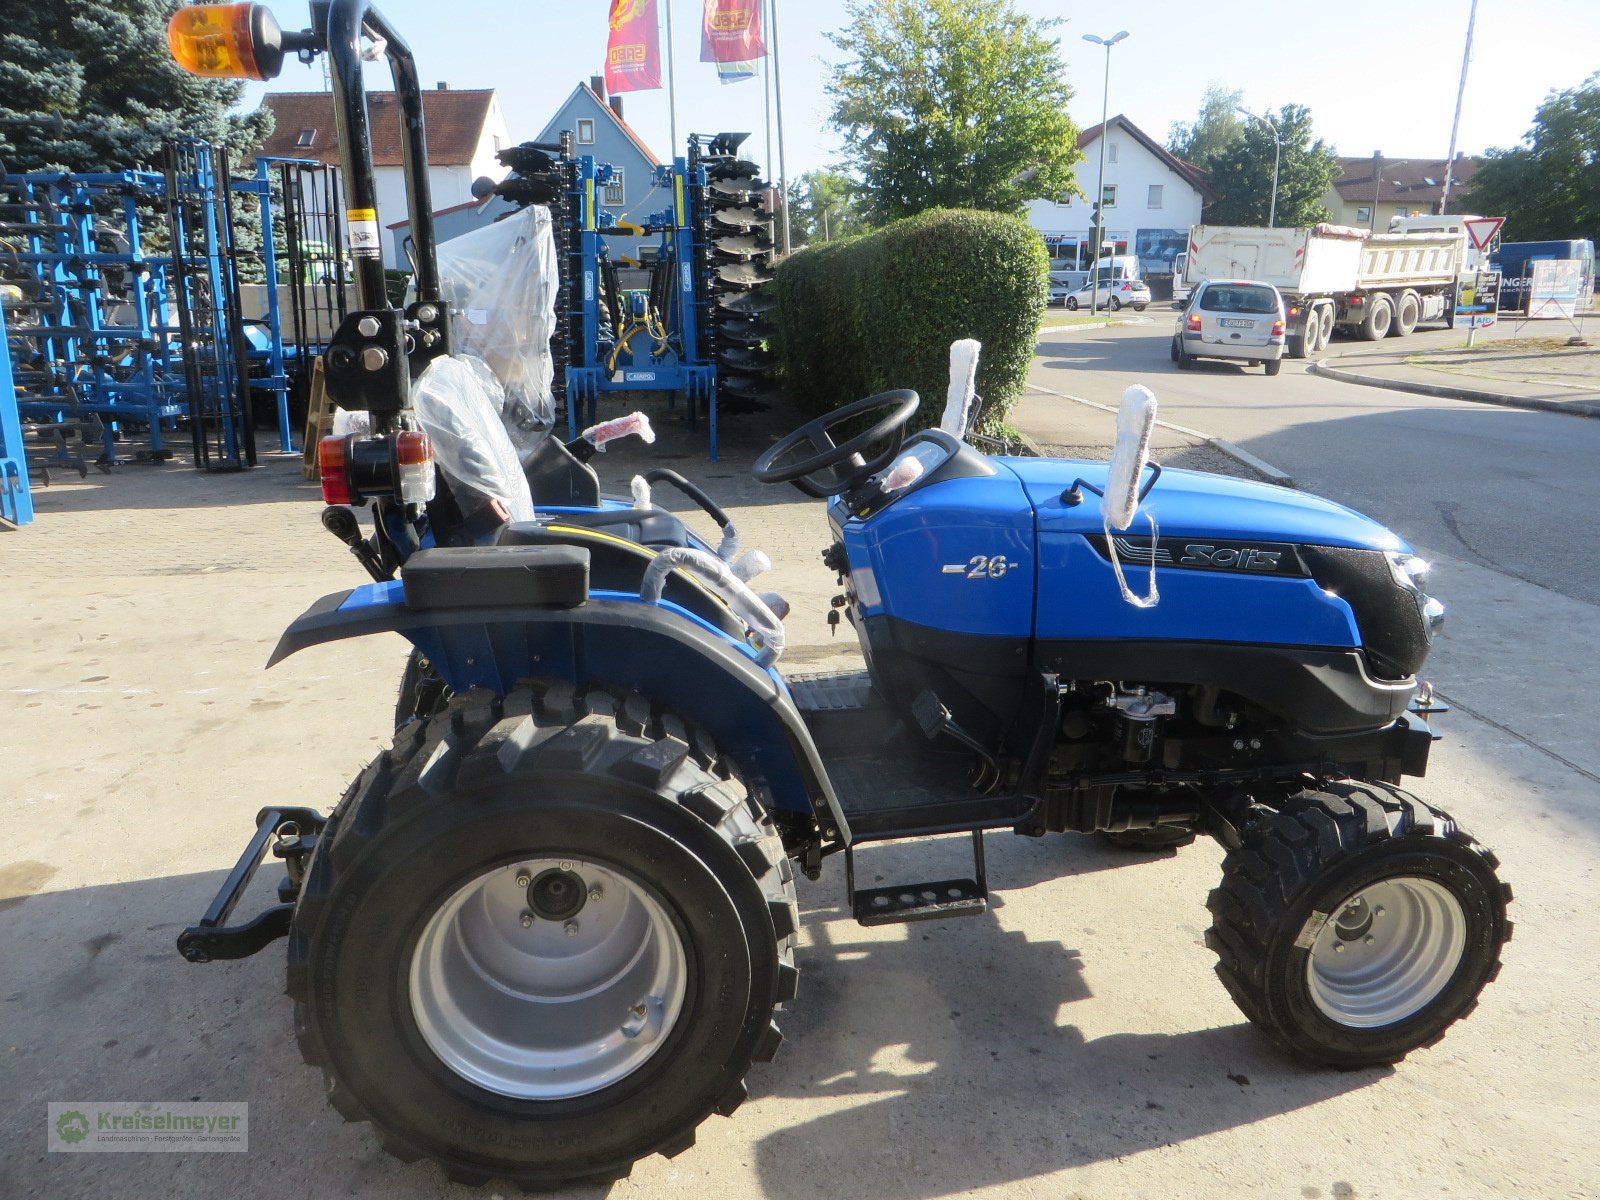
951, 104
102, 67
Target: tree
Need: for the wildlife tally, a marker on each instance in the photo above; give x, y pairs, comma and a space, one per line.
1550, 187
103, 68
1242, 173
951, 104
1215, 130
823, 206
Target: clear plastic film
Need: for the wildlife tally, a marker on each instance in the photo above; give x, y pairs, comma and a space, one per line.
767, 631
500, 282
459, 401
635, 424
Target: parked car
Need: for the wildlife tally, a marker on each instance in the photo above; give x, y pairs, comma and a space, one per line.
1238, 319
1115, 295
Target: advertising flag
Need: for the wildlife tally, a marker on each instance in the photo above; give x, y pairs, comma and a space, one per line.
633, 52
731, 33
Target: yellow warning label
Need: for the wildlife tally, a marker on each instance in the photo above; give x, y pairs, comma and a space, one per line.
361, 214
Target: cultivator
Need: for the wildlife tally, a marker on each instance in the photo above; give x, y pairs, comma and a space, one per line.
697, 326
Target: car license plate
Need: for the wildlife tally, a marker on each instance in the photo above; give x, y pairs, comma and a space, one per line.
1236, 323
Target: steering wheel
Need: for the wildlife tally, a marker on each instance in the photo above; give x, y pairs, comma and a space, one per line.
831, 469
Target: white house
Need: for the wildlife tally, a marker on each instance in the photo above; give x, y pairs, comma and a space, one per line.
465, 129
1151, 197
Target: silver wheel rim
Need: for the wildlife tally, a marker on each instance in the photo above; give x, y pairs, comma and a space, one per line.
547, 1009
1387, 952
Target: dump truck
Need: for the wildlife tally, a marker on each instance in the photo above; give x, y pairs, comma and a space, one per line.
1337, 277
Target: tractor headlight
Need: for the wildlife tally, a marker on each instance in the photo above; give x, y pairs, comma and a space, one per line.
1411, 573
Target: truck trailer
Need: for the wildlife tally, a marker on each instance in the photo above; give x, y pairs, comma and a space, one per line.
1335, 276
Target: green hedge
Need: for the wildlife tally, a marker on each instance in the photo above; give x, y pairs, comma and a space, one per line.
879, 311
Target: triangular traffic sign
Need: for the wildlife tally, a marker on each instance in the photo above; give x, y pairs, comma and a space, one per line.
1482, 230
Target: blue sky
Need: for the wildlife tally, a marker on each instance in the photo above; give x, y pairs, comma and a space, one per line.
1379, 75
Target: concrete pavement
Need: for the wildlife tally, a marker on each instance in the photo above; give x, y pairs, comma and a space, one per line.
1070, 1043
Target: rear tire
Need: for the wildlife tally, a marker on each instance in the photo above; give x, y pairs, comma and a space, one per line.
1356, 924
1181, 356
1325, 326
1072, 304
1408, 311
680, 943
1272, 366
1116, 305
1379, 317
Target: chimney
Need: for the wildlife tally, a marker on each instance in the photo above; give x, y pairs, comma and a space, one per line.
597, 85
441, 86
616, 106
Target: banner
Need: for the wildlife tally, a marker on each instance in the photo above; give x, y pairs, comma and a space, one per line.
733, 72
633, 53
731, 34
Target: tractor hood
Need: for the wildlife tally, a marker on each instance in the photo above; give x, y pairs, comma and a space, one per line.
1194, 504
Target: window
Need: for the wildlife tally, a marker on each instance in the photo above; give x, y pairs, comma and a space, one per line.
1064, 200
305, 139
585, 131
1154, 200
612, 195
1108, 196
1111, 152
499, 144
1364, 215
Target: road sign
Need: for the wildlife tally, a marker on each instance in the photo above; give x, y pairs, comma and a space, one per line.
1482, 230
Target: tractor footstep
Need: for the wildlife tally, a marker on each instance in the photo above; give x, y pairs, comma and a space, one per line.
920, 902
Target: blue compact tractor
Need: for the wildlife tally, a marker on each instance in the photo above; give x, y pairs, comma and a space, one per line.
545, 933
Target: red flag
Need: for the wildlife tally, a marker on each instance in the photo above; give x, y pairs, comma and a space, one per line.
633, 53
731, 31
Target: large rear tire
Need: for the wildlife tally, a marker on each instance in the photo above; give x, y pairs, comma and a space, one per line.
1356, 924
1379, 318
1407, 312
554, 1028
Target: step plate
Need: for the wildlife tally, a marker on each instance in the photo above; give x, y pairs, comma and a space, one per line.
919, 902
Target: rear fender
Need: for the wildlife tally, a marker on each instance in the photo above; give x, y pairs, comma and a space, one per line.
658, 650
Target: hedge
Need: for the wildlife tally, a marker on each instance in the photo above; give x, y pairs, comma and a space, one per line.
879, 311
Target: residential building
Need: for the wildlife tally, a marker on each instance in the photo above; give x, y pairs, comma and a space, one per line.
1151, 198
465, 129
1372, 190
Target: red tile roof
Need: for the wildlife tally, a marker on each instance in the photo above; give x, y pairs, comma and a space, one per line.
455, 121
1415, 182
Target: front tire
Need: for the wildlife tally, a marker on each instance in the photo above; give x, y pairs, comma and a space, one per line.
555, 1029
1356, 924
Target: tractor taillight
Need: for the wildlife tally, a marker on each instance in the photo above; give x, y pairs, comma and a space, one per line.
332, 465
413, 457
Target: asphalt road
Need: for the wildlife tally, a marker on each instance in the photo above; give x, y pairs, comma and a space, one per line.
1509, 490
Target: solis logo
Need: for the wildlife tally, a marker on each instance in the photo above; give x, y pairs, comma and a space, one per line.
621, 56
1243, 558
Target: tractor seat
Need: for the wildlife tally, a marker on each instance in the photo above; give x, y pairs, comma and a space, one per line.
617, 563
648, 526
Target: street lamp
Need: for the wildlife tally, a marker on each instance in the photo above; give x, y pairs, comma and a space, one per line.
1100, 195
1277, 155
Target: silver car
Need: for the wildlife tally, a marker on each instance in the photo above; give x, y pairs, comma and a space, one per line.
1239, 319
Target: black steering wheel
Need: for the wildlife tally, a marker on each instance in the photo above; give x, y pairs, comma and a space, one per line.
831, 469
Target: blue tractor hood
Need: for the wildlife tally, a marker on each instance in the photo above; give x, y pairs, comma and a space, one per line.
1194, 504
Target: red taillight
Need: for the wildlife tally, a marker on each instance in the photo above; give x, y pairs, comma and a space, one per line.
412, 449
1294, 310
331, 465
1194, 322
1277, 327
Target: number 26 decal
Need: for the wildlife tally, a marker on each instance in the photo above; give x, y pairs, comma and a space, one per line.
980, 566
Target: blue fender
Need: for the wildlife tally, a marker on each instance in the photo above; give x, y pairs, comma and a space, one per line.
661, 651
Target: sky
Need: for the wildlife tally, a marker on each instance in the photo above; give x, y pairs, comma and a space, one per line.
1377, 75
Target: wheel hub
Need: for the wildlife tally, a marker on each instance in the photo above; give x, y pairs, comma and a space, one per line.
548, 979
1389, 951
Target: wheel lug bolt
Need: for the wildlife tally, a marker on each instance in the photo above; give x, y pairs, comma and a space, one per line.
523, 879
595, 893
1338, 947
1370, 940
566, 866
527, 920
572, 928
1378, 912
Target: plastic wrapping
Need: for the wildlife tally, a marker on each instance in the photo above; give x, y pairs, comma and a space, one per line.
963, 386
1136, 420
634, 424
906, 471
764, 626
750, 564
500, 282
459, 402
640, 490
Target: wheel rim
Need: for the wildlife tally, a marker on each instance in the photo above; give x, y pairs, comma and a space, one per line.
1387, 952
554, 1006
